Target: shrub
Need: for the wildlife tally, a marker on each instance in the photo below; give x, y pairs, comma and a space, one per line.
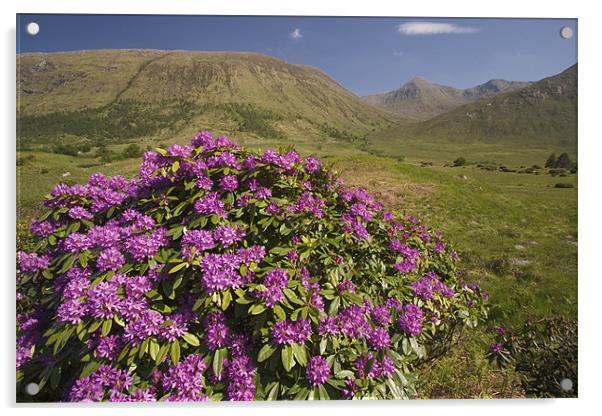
460, 161
132, 151
551, 161
543, 352
564, 185
219, 273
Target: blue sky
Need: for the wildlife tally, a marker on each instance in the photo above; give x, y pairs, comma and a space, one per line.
365, 55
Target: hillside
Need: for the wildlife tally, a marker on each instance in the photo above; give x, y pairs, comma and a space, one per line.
420, 99
542, 114
125, 94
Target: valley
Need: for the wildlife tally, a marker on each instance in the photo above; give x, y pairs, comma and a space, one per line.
516, 233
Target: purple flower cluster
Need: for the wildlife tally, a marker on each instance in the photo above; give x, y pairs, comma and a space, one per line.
352, 321
428, 285
144, 246
210, 204
217, 332
42, 228
384, 368
346, 286
410, 321
311, 165
410, 256
29, 335
381, 315
308, 204
229, 183
274, 281
318, 370
289, 332
495, 348
98, 195
199, 240
31, 262
184, 380
240, 372
228, 235
106, 381
220, 271
378, 338
355, 226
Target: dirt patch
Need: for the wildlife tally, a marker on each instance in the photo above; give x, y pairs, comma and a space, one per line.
383, 184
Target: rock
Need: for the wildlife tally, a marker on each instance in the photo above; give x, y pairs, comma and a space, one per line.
519, 247
66, 174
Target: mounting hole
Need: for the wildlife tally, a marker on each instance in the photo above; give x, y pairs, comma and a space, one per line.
566, 384
32, 28
32, 389
566, 32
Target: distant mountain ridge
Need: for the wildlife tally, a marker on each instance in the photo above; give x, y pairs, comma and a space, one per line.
132, 93
421, 99
541, 114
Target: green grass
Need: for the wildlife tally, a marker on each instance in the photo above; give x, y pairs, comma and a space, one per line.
491, 216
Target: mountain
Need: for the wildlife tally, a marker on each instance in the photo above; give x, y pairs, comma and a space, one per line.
543, 113
421, 99
123, 94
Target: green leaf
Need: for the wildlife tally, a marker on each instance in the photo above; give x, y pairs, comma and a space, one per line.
322, 393
218, 360
334, 306
256, 309
162, 353
153, 348
174, 352
191, 339
288, 360
226, 298
300, 354
323, 345
344, 374
273, 392
279, 312
292, 296
265, 352
91, 367
68, 263
83, 259
178, 267
106, 327
55, 377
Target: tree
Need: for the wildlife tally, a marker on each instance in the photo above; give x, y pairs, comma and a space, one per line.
551, 162
564, 161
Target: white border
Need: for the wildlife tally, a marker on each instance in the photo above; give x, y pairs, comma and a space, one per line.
590, 153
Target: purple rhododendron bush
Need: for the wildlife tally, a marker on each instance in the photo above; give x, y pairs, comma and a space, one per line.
219, 273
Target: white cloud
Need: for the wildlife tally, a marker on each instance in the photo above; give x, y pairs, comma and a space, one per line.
296, 34
397, 53
432, 28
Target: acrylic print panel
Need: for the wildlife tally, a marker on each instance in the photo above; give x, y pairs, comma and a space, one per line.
306, 208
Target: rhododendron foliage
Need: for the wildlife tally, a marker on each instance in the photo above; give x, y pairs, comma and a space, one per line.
218, 273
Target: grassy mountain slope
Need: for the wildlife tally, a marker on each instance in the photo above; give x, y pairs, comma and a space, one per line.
420, 99
543, 114
125, 94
